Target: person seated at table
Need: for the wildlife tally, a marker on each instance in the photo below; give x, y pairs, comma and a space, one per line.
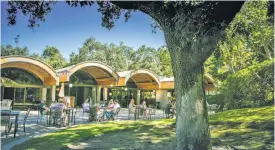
43, 109
86, 107
116, 104
60, 106
110, 109
101, 104
43, 106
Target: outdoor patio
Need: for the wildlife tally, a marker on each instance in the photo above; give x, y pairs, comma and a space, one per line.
34, 129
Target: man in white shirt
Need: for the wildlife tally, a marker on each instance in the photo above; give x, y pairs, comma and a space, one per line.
116, 104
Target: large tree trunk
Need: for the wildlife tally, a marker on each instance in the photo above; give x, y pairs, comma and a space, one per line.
192, 121
192, 131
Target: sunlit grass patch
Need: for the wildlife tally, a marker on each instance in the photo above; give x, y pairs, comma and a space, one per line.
249, 128
244, 115
242, 128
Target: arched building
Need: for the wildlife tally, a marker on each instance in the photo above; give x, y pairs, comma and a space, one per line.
87, 79
26, 80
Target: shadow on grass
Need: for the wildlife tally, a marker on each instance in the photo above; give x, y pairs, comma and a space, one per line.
120, 134
243, 129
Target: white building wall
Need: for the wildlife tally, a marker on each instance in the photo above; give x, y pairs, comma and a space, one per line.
53, 93
161, 96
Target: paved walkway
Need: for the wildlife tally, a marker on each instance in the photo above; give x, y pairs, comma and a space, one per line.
34, 129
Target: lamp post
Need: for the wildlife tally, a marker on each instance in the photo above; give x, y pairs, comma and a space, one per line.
70, 86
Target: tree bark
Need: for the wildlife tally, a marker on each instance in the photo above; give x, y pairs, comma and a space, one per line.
192, 131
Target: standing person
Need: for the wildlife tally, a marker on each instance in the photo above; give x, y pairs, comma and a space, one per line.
132, 106
117, 108
110, 109
144, 112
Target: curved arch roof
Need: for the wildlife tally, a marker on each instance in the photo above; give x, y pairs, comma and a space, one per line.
42, 70
102, 73
143, 78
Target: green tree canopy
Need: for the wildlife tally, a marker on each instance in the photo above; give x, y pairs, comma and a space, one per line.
8, 50
52, 56
113, 55
146, 58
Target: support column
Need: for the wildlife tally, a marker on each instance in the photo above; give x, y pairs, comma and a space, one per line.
53, 93
98, 95
105, 93
25, 95
44, 93
138, 96
94, 93
161, 96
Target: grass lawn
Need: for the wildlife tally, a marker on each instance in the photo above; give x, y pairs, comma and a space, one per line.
242, 129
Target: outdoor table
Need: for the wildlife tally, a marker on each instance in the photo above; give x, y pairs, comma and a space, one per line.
12, 113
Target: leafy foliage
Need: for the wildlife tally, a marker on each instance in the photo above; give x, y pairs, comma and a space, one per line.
165, 62
250, 87
121, 57
112, 55
146, 58
242, 61
7, 50
37, 10
52, 56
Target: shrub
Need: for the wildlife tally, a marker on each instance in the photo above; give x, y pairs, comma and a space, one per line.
216, 99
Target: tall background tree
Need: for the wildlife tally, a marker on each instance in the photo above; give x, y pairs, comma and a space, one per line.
243, 62
53, 57
191, 29
111, 54
7, 50
121, 57
146, 58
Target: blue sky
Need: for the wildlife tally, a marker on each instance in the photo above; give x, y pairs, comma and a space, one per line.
67, 28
